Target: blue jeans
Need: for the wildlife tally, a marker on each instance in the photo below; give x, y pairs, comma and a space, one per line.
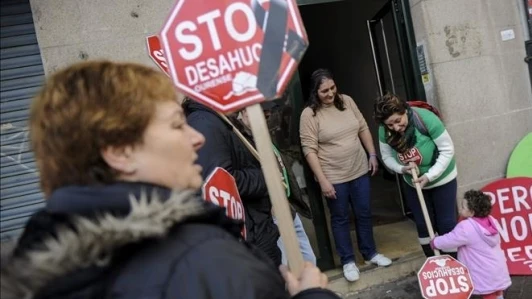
304, 243
355, 193
441, 207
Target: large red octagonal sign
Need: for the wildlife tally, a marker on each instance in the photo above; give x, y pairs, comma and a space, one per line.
232, 53
443, 277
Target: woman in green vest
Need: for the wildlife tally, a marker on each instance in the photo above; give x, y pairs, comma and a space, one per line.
411, 134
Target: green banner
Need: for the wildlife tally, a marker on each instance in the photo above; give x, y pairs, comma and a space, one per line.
520, 164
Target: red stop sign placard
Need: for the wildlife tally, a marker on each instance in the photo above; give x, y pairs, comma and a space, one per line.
444, 277
220, 188
156, 52
512, 209
231, 54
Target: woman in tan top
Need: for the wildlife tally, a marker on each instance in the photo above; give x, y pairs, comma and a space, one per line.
334, 135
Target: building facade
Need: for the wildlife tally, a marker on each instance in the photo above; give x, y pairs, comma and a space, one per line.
465, 56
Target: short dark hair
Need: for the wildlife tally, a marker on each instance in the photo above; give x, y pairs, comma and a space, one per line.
388, 105
478, 203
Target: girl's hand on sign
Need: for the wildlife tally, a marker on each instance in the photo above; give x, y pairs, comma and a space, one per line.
408, 169
422, 181
311, 277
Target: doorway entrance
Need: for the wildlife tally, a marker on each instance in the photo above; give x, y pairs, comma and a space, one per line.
339, 33
340, 41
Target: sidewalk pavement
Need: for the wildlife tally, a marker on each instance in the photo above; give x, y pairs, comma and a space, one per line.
408, 288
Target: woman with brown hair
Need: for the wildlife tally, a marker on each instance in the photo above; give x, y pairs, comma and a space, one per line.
335, 138
116, 157
411, 134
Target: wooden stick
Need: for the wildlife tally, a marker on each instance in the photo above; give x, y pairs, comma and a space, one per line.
276, 191
240, 136
423, 207
244, 140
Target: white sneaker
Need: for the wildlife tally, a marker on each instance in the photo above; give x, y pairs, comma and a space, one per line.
380, 260
351, 272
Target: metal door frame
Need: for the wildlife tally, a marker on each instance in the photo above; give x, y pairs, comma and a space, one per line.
528, 43
406, 45
405, 37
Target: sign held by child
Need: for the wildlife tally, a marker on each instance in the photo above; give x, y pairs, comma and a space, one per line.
444, 277
441, 276
479, 245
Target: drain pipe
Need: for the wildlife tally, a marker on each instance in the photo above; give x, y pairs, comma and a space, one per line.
523, 12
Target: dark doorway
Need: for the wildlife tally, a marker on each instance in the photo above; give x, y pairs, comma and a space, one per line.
339, 41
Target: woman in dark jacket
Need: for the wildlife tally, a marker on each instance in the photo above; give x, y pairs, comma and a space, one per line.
224, 149
113, 147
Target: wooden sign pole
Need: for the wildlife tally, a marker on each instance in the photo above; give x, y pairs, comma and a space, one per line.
424, 207
240, 136
276, 190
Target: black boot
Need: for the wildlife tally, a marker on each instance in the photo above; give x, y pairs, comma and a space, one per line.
427, 250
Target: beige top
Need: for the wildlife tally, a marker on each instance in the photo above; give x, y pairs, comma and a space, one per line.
333, 135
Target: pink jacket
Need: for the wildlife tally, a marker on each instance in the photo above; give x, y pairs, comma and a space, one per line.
479, 248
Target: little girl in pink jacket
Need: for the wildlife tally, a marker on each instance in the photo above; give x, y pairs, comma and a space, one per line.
479, 246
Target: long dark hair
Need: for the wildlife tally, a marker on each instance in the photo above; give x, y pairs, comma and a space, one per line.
317, 78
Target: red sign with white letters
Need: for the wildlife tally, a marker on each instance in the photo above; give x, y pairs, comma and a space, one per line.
220, 188
231, 54
412, 155
443, 277
156, 52
512, 209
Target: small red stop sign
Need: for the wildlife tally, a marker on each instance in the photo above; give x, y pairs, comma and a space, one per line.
443, 277
220, 188
156, 52
231, 54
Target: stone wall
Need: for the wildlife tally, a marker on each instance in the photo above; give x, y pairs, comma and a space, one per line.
481, 82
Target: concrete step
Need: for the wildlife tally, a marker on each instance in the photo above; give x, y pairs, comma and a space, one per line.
371, 275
